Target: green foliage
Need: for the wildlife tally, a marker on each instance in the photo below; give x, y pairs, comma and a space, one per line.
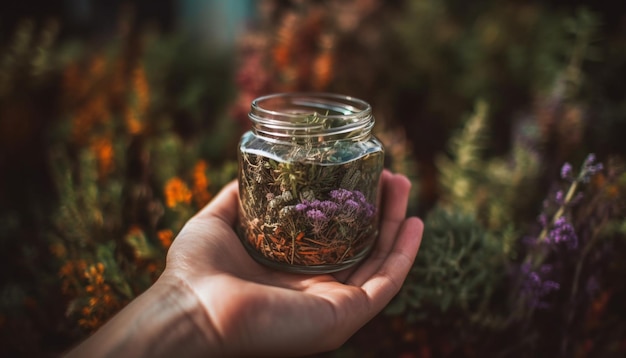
461, 175
458, 269
28, 59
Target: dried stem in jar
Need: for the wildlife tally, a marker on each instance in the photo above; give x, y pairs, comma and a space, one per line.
305, 213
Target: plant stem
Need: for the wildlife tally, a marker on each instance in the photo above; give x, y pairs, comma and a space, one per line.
561, 210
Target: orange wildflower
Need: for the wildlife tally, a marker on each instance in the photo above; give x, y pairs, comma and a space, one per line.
100, 302
141, 88
201, 184
67, 269
285, 40
93, 301
152, 267
133, 122
87, 116
281, 56
133, 115
91, 322
322, 70
176, 192
108, 299
103, 149
71, 274
166, 236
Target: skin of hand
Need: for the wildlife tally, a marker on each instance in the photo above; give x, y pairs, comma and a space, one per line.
213, 299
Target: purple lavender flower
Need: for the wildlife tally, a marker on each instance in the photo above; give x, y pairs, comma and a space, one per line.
316, 215
566, 171
545, 269
535, 286
359, 196
591, 158
343, 206
559, 197
357, 210
351, 206
563, 232
341, 195
370, 210
317, 219
328, 207
590, 168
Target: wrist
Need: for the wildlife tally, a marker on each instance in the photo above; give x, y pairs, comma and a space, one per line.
166, 320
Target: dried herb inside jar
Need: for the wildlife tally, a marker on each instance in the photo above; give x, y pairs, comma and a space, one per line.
305, 213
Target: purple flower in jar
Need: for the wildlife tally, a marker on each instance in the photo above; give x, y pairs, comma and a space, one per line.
351, 206
328, 207
316, 215
358, 196
341, 195
317, 219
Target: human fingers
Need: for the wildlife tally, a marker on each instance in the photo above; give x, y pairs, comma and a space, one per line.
385, 283
225, 205
395, 196
393, 210
199, 237
356, 305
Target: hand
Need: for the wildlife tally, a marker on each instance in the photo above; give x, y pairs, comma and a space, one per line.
257, 310
214, 298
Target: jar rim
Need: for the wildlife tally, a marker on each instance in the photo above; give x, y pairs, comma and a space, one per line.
304, 115
336, 106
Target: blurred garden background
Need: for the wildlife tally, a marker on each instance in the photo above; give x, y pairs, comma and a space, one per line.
120, 119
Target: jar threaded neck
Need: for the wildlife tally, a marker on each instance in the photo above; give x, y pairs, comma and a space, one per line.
294, 117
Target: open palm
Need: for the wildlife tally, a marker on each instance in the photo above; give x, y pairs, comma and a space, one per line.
256, 310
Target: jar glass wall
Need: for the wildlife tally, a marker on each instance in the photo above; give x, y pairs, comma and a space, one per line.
308, 177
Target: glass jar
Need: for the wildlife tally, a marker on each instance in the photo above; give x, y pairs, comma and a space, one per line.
308, 182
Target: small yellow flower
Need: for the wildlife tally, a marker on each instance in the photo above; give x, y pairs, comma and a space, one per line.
93, 301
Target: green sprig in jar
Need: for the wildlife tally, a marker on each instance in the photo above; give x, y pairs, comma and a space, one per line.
308, 182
